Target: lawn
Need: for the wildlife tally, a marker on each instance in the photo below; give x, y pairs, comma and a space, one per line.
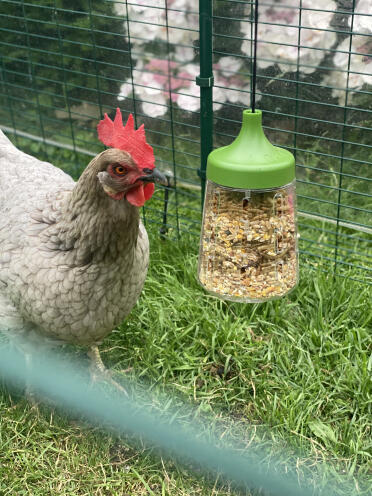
293, 374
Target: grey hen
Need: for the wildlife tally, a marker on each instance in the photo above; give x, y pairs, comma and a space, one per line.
74, 256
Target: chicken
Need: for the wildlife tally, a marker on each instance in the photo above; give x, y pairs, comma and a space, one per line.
74, 256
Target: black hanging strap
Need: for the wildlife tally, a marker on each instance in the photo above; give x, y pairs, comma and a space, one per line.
254, 68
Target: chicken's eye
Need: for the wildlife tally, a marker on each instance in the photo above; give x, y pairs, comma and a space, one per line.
119, 170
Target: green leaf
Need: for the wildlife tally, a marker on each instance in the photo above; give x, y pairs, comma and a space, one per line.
322, 431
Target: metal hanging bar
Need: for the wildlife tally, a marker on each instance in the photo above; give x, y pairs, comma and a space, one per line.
254, 70
205, 80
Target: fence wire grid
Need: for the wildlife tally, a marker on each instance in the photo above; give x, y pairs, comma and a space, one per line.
65, 63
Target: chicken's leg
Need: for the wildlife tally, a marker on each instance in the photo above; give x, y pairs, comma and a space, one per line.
34, 394
98, 371
30, 388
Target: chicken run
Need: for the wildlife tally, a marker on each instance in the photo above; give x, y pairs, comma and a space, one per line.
61, 243
74, 256
163, 259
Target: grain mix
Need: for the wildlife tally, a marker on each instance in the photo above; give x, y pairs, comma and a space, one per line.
248, 246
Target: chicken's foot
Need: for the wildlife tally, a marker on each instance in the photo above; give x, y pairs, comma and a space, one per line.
99, 372
29, 389
33, 396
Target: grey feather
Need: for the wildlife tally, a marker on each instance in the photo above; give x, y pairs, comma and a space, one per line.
73, 261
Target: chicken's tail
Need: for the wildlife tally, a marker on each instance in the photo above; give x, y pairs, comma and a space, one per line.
5, 144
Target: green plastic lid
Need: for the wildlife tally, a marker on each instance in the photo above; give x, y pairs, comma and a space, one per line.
251, 161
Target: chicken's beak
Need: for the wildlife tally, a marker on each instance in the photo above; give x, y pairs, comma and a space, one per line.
154, 176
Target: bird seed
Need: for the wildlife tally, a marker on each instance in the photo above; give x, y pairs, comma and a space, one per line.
249, 243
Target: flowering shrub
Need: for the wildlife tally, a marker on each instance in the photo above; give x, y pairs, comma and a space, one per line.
279, 34
157, 81
353, 59
162, 46
150, 21
361, 22
291, 39
351, 77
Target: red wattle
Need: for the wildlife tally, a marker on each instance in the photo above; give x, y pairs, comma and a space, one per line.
149, 189
140, 194
136, 196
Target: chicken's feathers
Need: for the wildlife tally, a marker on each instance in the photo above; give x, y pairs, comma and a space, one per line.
57, 289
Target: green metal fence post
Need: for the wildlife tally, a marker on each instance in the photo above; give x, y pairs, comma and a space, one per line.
205, 81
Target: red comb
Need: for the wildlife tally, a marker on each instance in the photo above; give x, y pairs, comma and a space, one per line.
126, 138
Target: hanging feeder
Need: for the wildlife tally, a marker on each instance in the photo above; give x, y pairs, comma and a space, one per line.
248, 247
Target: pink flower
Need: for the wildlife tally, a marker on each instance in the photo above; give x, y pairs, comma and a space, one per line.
159, 79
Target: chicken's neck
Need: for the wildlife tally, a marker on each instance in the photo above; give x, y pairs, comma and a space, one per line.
94, 227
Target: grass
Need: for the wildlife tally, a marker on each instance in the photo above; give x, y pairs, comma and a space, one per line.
294, 374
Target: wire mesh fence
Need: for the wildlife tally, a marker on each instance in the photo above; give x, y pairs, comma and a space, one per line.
63, 64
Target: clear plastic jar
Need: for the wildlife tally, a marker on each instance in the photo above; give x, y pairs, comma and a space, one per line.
248, 246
